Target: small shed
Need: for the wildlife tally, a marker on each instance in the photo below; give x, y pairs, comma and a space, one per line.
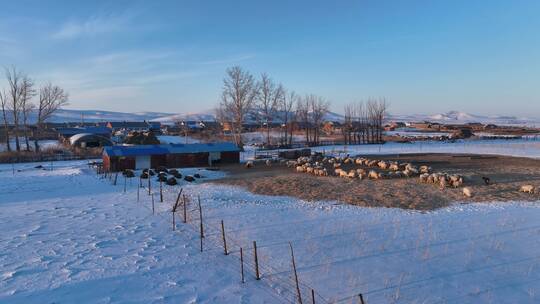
88, 140
66, 133
118, 158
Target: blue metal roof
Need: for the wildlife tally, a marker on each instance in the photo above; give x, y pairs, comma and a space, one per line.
170, 149
79, 130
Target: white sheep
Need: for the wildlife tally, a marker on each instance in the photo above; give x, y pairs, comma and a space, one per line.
443, 183
425, 169
424, 177
343, 173
372, 163
467, 192
373, 175
394, 167
383, 165
249, 164
352, 174
527, 189
268, 163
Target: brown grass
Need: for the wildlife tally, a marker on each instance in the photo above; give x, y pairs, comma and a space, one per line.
506, 173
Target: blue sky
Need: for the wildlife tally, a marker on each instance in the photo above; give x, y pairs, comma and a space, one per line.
433, 56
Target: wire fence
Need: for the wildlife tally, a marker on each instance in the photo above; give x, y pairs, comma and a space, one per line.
374, 239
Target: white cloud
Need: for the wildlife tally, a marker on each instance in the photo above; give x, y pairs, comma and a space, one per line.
94, 25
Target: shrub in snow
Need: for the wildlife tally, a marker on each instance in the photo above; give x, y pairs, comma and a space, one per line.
171, 181
162, 177
128, 173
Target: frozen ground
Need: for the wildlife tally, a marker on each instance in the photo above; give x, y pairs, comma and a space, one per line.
68, 236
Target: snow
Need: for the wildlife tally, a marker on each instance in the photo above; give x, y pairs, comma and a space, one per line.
170, 139
527, 147
512, 147
43, 144
68, 236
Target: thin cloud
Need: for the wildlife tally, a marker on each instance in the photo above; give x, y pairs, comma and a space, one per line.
95, 25
228, 60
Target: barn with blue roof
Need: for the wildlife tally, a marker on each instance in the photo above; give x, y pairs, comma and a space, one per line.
118, 158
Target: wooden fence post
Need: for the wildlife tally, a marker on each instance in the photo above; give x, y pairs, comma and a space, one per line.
160, 190
138, 190
174, 209
257, 275
153, 210
312, 296
149, 183
224, 239
242, 264
361, 298
200, 216
125, 183
295, 275
185, 208
115, 178
201, 239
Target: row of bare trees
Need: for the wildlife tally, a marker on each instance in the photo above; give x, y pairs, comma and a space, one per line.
363, 121
18, 103
243, 96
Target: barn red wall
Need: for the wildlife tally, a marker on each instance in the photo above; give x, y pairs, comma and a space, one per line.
230, 157
158, 161
169, 160
106, 162
187, 160
116, 164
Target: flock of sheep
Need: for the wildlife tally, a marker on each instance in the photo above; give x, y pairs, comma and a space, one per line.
332, 166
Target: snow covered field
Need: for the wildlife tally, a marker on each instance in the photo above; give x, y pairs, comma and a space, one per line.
44, 144
513, 147
68, 236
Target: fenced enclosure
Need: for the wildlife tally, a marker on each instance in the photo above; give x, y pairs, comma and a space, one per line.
465, 255
528, 147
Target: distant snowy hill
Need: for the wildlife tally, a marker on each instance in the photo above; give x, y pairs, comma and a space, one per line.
70, 115
456, 117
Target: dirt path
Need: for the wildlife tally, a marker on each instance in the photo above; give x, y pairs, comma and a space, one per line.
507, 174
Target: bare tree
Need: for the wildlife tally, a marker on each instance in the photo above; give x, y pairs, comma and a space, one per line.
379, 113
376, 111
26, 106
302, 113
288, 115
318, 107
268, 99
51, 98
238, 95
3, 103
14, 79
348, 120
